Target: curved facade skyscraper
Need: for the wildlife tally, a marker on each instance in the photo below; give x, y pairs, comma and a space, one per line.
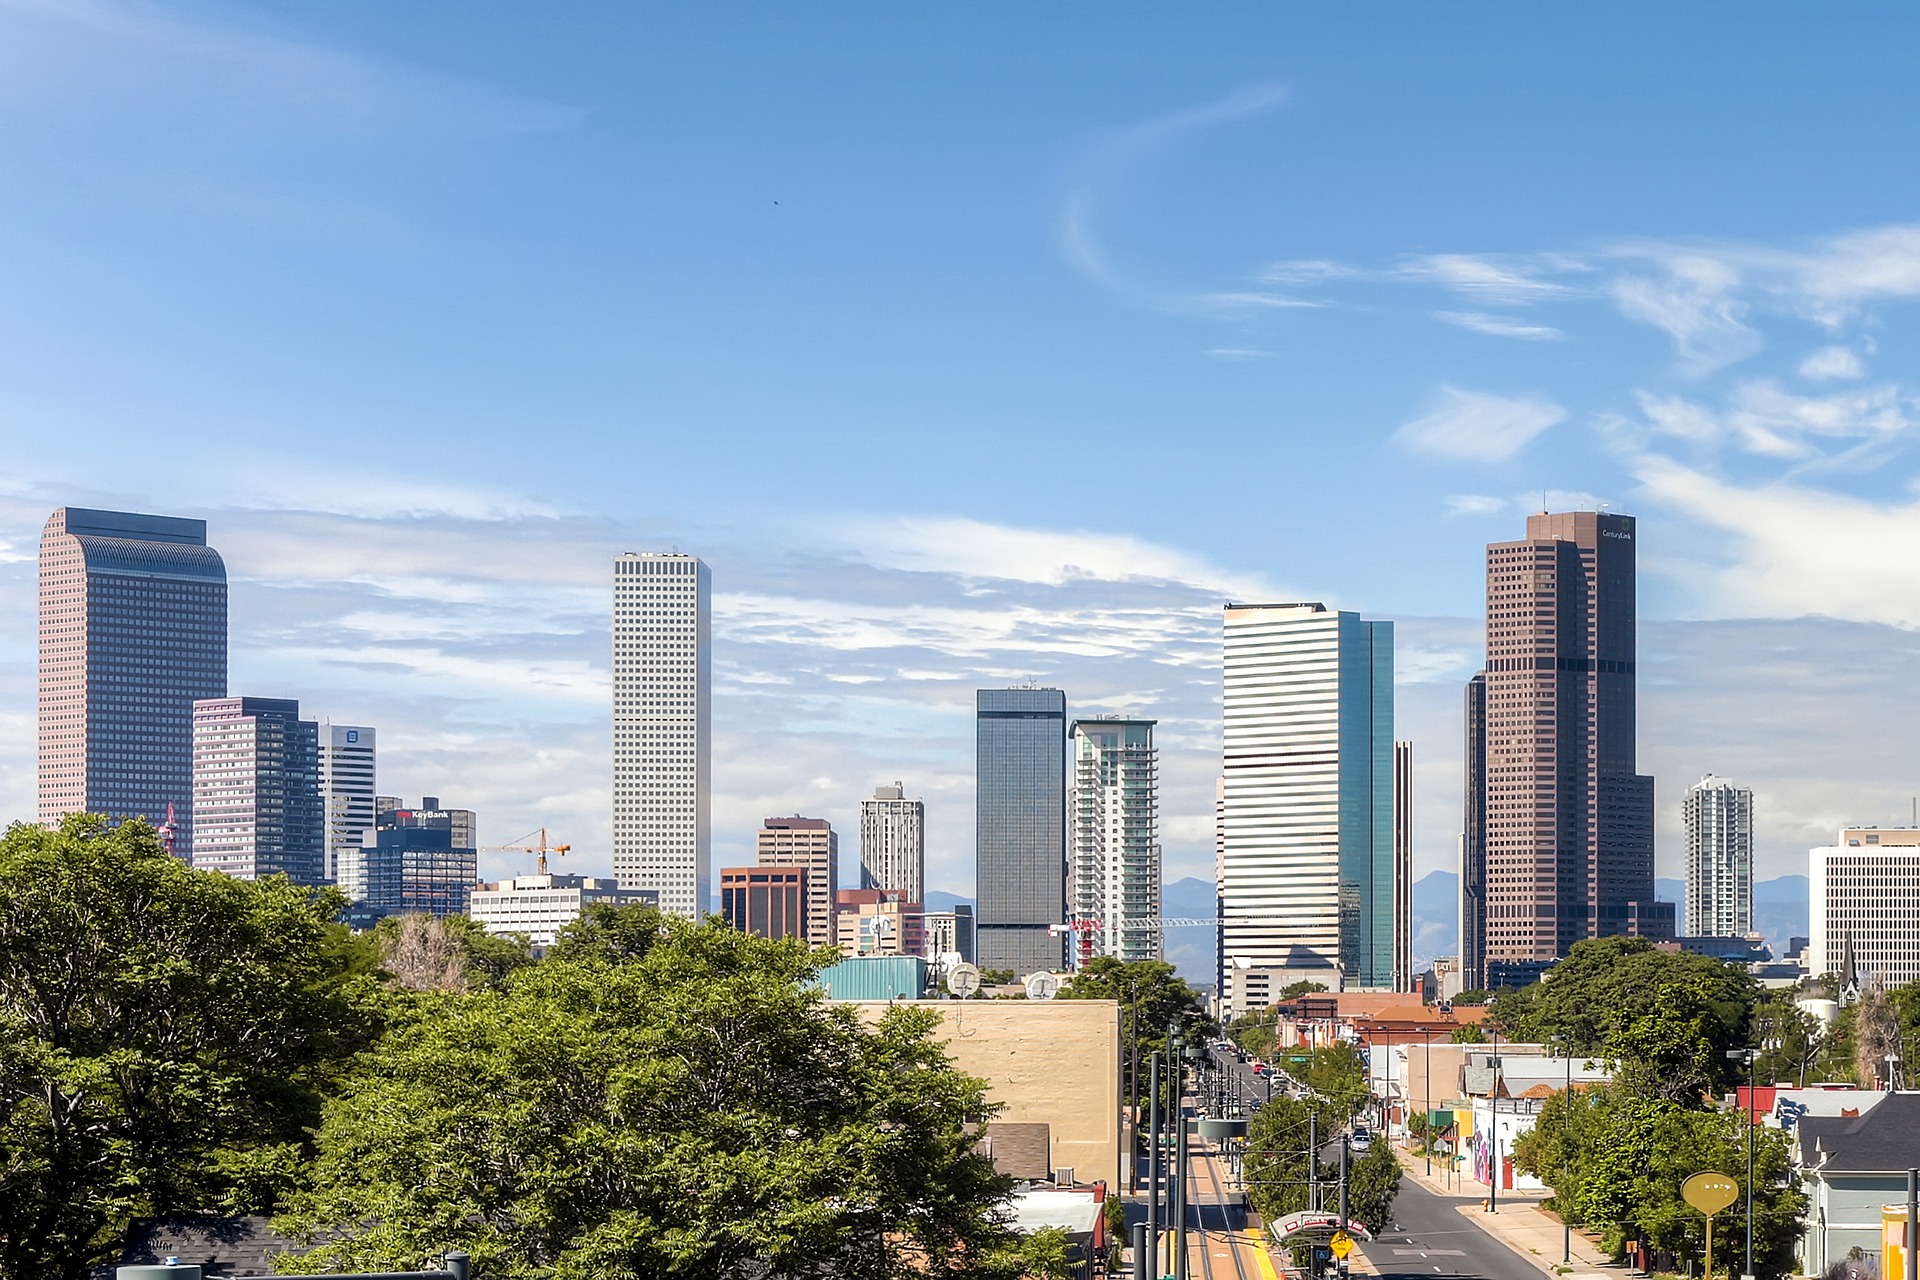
133, 629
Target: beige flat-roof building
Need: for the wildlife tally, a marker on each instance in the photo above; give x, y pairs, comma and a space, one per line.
809, 843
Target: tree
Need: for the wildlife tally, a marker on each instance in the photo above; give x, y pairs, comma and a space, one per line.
1876, 1035
1306, 986
1278, 1166
699, 1110
1338, 1072
606, 934
1152, 998
1373, 1181
445, 953
1789, 1037
1467, 1033
1616, 1157
1668, 1015
165, 1038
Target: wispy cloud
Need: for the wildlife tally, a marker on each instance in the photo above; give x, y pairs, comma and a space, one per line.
1764, 419
1306, 271
1830, 363
1500, 326
1475, 426
1474, 504
1697, 302
1496, 278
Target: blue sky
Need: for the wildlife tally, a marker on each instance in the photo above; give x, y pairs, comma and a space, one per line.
974, 344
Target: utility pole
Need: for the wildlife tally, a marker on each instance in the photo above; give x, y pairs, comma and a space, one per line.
1313, 1160
1748, 1056
1346, 1164
1493, 1104
1566, 1108
1153, 1167
1426, 1099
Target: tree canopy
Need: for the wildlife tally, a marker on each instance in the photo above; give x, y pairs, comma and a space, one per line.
1670, 1016
695, 1110
166, 1037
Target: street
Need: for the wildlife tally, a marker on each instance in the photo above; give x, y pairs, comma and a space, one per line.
1429, 1236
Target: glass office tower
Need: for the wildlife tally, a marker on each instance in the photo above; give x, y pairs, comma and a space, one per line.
256, 790
133, 630
1020, 828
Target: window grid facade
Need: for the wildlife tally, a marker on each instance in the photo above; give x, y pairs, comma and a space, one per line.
662, 718
347, 788
1116, 840
133, 631
893, 842
1020, 828
1306, 858
810, 843
256, 790
1865, 894
770, 901
1719, 822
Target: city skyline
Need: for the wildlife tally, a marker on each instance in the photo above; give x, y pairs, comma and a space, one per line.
1199, 269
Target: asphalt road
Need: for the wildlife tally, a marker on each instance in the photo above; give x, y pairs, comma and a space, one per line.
1430, 1237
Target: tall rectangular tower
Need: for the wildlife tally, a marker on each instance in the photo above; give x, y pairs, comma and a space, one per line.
813, 844
1719, 819
1306, 817
347, 789
1115, 866
1403, 866
893, 843
1568, 819
1473, 843
662, 728
256, 790
133, 630
1020, 828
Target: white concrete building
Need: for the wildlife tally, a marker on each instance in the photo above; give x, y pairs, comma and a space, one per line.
347, 789
1113, 850
1719, 820
662, 728
541, 906
1864, 892
1306, 857
893, 843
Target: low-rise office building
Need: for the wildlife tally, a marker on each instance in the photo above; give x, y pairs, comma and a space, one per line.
541, 906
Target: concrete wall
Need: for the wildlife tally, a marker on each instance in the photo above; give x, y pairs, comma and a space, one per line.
1051, 1062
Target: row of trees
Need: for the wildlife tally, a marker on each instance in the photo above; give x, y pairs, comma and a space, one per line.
653, 1098
1616, 1154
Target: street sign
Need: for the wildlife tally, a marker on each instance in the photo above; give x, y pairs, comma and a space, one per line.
1342, 1245
1709, 1192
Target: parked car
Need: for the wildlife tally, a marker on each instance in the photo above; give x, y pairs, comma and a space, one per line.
1360, 1139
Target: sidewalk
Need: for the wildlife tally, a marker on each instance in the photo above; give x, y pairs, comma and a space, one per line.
1520, 1223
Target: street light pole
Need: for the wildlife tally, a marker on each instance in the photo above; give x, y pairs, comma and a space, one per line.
1426, 1098
1153, 1167
1566, 1105
1748, 1056
1493, 1107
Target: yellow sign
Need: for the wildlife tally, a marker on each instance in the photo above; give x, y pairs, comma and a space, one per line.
1709, 1192
1342, 1244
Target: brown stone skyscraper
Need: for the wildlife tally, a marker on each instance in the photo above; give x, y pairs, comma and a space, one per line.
1565, 822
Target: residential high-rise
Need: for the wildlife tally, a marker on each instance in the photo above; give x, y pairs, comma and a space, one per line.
662, 728
772, 901
133, 630
347, 789
415, 860
1864, 901
1306, 821
1568, 819
1114, 872
1719, 821
813, 844
893, 842
256, 790
1473, 843
1403, 866
1020, 828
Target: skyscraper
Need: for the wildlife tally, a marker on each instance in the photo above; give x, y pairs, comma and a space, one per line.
1719, 820
893, 843
1306, 818
415, 860
133, 630
771, 901
256, 790
813, 844
1864, 905
1115, 854
662, 728
1473, 843
347, 789
1568, 822
1403, 866
1020, 828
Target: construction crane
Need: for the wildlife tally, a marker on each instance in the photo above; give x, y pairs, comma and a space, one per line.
542, 848
1085, 927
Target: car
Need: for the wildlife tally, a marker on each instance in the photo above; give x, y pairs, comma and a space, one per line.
1259, 1067
1360, 1140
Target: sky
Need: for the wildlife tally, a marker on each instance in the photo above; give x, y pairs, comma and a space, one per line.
972, 345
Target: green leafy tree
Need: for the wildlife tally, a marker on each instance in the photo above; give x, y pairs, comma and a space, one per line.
1152, 997
1476, 996
1373, 1181
1338, 1072
606, 934
1616, 1156
1468, 1033
1278, 1164
1305, 986
1790, 1038
700, 1110
165, 1038
1255, 1032
1669, 1016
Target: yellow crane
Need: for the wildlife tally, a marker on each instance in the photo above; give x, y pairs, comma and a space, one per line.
542, 848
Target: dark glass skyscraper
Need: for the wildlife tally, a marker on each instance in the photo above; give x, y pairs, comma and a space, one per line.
1567, 817
256, 790
1020, 828
133, 629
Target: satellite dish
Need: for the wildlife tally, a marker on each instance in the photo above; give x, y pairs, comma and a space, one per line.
963, 980
1043, 986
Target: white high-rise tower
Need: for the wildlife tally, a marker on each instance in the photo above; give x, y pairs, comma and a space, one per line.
347, 789
893, 843
662, 728
1719, 818
1114, 849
